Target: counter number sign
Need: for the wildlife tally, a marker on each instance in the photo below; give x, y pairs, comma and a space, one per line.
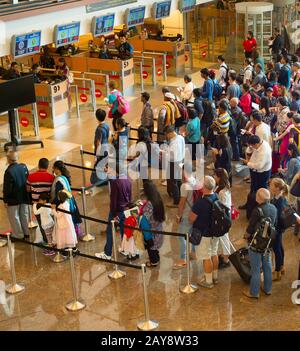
56, 89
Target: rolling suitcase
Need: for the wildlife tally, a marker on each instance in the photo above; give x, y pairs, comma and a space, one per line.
241, 262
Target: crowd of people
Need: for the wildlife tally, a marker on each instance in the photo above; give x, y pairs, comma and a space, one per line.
252, 118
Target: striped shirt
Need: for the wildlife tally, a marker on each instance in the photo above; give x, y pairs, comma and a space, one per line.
39, 182
222, 123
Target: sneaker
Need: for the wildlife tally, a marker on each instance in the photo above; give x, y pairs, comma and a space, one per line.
133, 258
223, 264
211, 166
48, 252
204, 284
164, 183
247, 293
122, 252
215, 281
103, 256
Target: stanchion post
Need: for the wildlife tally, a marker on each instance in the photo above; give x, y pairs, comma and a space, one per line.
93, 95
13, 288
76, 100
87, 236
154, 71
31, 224
165, 66
117, 273
82, 165
76, 304
189, 288
147, 324
141, 76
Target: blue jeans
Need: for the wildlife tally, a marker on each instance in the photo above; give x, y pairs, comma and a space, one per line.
109, 243
278, 251
256, 260
184, 227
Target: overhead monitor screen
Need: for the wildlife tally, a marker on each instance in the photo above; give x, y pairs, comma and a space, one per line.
17, 92
161, 9
103, 24
135, 16
66, 34
26, 44
187, 5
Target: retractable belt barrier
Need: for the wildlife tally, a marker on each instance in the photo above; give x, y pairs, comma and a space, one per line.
160, 64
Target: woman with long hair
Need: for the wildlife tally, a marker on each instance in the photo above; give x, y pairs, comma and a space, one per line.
223, 154
62, 181
279, 190
292, 166
224, 194
154, 213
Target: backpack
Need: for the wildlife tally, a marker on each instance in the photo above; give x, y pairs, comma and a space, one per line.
220, 218
123, 104
182, 110
265, 234
218, 90
292, 140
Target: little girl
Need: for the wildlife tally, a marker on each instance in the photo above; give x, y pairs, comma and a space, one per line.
47, 221
64, 233
128, 245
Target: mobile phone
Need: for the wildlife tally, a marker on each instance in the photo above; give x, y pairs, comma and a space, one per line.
296, 215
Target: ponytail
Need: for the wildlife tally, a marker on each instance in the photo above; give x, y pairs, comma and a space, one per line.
63, 169
281, 185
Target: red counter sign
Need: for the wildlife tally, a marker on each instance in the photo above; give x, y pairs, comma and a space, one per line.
159, 72
43, 114
98, 93
145, 74
83, 97
168, 65
203, 54
24, 122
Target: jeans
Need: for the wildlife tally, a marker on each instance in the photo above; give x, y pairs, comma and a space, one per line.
256, 260
184, 227
18, 217
278, 251
109, 243
174, 181
234, 141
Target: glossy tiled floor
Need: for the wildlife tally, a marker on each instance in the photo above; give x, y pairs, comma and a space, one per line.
118, 305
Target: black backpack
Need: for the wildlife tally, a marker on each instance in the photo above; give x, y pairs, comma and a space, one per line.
220, 218
264, 235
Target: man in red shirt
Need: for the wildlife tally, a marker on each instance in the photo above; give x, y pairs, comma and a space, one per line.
249, 45
40, 182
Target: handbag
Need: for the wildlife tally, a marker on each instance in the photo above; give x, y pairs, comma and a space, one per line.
287, 218
295, 190
235, 213
195, 236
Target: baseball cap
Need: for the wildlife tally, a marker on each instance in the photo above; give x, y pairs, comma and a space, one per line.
296, 64
169, 95
270, 89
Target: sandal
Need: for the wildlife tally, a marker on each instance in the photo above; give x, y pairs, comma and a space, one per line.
179, 265
150, 265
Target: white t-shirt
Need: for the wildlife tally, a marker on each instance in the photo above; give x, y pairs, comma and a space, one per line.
187, 93
264, 132
248, 73
45, 213
225, 197
222, 75
261, 159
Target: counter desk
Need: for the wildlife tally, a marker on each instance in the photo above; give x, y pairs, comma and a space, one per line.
175, 51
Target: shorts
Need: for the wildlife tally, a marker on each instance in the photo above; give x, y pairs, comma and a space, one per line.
208, 248
225, 245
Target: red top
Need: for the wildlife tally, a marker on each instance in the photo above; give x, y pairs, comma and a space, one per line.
249, 44
40, 182
245, 103
132, 222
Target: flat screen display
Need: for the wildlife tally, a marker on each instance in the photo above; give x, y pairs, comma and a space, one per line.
26, 44
161, 9
135, 16
17, 92
187, 5
103, 25
66, 34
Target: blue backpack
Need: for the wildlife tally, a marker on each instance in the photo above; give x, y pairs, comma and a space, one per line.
218, 90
